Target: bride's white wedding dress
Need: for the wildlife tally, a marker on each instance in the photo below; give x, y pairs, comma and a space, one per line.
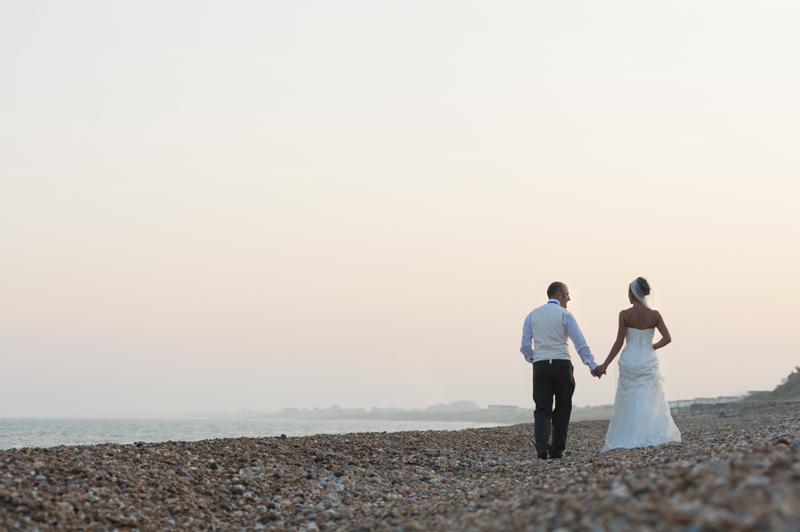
641, 414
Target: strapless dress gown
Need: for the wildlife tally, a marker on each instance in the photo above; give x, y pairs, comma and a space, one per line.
641, 415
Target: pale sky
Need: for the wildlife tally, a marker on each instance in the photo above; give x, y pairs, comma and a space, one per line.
300, 204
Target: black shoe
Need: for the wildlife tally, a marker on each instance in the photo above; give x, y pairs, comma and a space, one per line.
542, 455
557, 454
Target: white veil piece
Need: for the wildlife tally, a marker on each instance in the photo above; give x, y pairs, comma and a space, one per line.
636, 290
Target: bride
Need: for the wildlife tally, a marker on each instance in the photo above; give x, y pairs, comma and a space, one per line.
641, 415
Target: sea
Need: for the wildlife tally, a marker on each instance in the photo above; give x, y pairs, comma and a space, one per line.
52, 432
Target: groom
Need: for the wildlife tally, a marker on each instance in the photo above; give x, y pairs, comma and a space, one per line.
548, 327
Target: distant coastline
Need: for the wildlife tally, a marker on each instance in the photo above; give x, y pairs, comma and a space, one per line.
465, 411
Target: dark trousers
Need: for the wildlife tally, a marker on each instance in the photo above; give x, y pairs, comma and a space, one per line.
552, 378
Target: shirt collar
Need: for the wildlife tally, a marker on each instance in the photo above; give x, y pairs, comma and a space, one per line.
556, 301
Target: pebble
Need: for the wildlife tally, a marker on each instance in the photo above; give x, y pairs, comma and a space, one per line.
728, 474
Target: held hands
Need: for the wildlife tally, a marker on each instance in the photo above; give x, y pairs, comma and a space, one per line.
599, 371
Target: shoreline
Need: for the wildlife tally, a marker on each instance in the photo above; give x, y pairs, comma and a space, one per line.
48, 433
741, 473
52, 432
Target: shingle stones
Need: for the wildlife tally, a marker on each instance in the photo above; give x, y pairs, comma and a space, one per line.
728, 474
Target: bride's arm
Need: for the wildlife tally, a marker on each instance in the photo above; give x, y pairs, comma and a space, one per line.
617, 344
662, 328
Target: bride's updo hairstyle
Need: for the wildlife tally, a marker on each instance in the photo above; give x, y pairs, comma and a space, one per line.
640, 288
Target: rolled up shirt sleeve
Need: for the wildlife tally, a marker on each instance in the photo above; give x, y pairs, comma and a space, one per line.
527, 340
575, 334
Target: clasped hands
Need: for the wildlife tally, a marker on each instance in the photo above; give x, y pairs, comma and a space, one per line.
599, 371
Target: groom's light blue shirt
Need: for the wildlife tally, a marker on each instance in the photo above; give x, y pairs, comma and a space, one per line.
573, 331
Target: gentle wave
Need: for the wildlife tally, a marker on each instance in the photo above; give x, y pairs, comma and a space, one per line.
42, 432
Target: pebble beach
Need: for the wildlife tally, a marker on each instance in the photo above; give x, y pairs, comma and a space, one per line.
727, 474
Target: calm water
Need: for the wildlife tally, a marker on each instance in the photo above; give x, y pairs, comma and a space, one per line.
42, 432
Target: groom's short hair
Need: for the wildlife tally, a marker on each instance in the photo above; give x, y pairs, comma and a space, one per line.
554, 288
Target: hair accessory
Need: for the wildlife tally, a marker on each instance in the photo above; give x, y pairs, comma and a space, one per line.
637, 292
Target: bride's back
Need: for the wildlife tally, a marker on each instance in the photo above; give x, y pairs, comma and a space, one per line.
640, 317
